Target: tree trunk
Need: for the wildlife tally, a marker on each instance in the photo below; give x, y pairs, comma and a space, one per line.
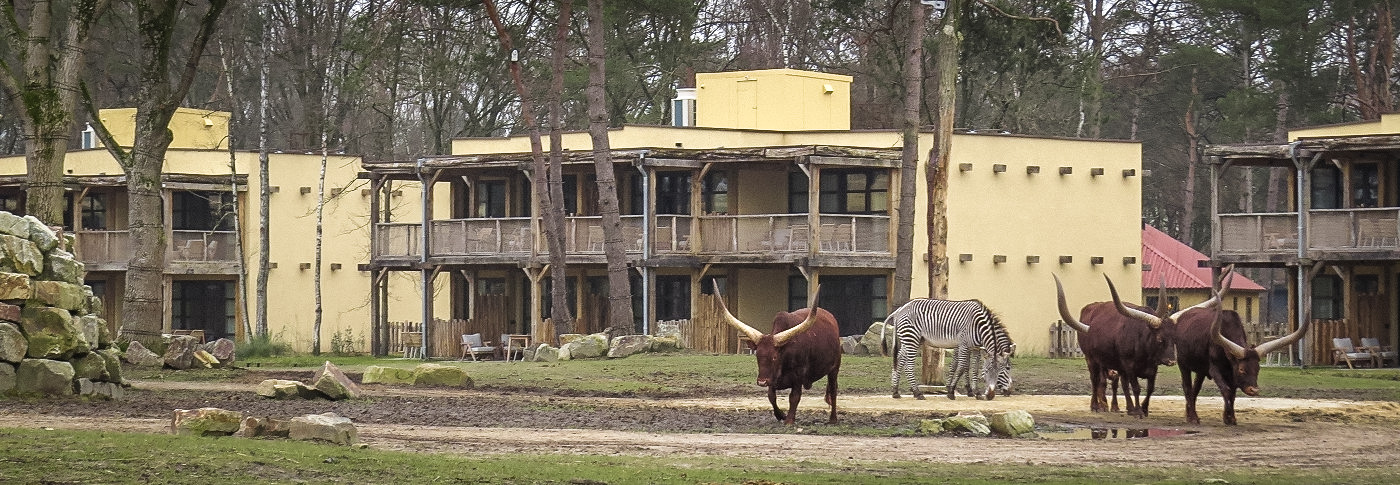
264, 181
1193, 157
909, 157
936, 175
619, 290
550, 182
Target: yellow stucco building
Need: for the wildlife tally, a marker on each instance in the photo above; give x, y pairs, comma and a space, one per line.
769, 192
206, 187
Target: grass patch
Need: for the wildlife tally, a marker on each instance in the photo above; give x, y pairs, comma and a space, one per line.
106, 457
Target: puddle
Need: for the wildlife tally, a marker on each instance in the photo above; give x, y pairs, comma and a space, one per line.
1112, 433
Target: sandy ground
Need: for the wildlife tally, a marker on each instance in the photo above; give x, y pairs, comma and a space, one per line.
1273, 432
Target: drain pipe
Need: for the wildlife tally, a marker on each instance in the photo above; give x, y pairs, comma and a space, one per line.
423, 258
646, 243
1304, 306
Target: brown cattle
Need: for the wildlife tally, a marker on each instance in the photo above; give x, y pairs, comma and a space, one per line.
804, 347
1212, 344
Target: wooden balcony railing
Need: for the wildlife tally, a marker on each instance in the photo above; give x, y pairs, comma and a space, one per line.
104, 247
1328, 230
202, 246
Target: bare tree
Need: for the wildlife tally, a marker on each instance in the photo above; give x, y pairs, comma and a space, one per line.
550, 184
909, 163
947, 40
619, 289
43, 77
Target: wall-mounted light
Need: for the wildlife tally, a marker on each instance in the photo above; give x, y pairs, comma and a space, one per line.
335, 266
998, 258
305, 265
1129, 260
208, 122
1066, 170
396, 193
1032, 169
998, 167
364, 192
1032, 259
964, 257
272, 265
1095, 259
1129, 172
336, 191
1066, 259
964, 167
305, 190
828, 89
1095, 171
272, 189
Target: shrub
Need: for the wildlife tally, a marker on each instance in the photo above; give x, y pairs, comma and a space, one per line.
263, 346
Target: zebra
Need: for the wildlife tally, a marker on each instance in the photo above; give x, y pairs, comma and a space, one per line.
966, 359
964, 325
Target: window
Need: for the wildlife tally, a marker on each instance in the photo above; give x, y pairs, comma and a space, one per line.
547, 299
491, 198
490, 286
12, 203
203, 305
797, 192
716, 193
571, 194
201, 211
1173, 303
1326, 188
1327, 298
93, 208
89, 139
673, 193
1365, 185
672, 297
843, 191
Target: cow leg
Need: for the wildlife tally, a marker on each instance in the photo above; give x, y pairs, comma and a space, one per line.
1131, 397
1112, 384
1229, 395
1191, 391
1097, 403
793, 398
831, 395
773, 399
1151, 384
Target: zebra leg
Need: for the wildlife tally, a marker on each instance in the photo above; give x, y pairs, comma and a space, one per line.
959, 368
989, 375
894, 371
911, 354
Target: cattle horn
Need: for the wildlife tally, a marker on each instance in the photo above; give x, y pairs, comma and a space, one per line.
1278, 343
1215, 298
753, 335
782, 337
1064, 308
1134, 313
1224, 343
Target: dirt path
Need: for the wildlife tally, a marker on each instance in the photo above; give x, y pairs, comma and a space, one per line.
1274, 432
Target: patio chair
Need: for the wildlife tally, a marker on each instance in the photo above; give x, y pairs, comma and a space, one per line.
1382, 352
472, 345
1344, 351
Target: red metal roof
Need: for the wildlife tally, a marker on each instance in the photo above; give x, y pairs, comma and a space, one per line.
1179, 264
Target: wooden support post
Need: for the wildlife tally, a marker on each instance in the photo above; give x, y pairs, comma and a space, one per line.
934, 373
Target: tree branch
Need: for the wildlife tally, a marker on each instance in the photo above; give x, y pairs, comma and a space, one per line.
100, 128
1017, 17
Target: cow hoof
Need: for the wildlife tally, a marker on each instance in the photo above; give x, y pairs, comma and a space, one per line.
919, 397
895, 395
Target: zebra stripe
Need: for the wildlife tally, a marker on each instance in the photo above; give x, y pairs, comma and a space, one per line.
964, 325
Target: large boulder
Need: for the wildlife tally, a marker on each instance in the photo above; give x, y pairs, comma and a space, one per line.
260, 426
113, 360
13, 225
285, 389
974, 423
42, 235
668, 329
67, 296
21, 255
205, 422
323, 427
10, 313
1012, 423
44, 377
205, 359
15, 286
89, 366
438, 375
222, 349
13, 345
872, 337
99, 390
665, 344
180, 353
138, 355
544, 353
63, 266
51, 333
377, 374
90, 329
585, 347
333, 383
850, 345
627, 345
7, 377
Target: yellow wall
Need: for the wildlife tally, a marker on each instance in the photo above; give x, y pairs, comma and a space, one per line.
192, 128
1389, 124
773, 99
764, 293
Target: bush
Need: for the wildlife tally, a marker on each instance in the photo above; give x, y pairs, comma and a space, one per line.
262, 346
345, 343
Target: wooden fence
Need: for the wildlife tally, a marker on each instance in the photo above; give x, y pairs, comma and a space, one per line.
706, 331
1318, 345
1064, 341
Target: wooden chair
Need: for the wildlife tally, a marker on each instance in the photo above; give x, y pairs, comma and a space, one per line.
472, 345
1382, 352
1344, 351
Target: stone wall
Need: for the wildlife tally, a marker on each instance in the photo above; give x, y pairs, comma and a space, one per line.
52, 342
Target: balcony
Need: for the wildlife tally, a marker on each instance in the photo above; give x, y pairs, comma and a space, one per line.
748, 237
104, 250
1345, 234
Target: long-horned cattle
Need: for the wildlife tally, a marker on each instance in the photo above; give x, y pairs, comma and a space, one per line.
804, 347
1115, 342
1212, 344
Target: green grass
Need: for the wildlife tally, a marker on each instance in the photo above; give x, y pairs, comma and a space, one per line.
41, 456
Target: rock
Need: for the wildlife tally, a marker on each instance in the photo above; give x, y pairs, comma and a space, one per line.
964, 423
333, 383
629, 344
67, 296
205, 422
668, 330
21, 255
569, 337
90, 329
205, 359
63, 266
104, 334
256, 427
113, 360
42, 235
89, 366
585, 347
1012, 423
13, 345
15, 286
871, 339
545, 353
51, 333
665, 344
438, 375
7, 377
222, 349
14, 225
285, 389
10, 313
323, 427
137, 354
376, 374
851, 346
180, 354
105, 391
930, 426
44, 377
